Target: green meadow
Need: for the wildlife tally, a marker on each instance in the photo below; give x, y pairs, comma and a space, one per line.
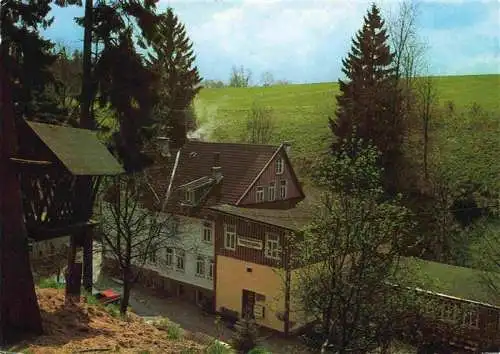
301, 111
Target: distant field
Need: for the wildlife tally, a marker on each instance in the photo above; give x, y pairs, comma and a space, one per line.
302, 111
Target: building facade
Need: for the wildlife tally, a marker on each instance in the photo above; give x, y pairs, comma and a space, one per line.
226, 261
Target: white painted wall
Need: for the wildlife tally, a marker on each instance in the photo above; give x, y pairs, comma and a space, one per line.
190, 239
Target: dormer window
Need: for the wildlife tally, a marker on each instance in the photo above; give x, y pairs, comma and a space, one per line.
207, 231
189, 196
280, 165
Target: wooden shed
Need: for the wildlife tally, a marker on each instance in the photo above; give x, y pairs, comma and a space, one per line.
60, 169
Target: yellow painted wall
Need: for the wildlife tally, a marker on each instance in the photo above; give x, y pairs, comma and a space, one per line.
233, 278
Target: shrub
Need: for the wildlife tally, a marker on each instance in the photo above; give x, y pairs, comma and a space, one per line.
91, 299
50, 283
218, 348
174, 331
246, 335
113, 310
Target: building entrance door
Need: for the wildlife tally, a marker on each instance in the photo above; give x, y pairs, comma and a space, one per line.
247, 304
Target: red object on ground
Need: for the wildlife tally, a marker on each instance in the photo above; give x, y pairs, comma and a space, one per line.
108, 296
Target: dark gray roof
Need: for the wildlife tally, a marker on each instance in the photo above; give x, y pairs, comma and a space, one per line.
292, 219
79, 150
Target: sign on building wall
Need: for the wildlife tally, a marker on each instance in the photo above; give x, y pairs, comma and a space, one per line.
249, 242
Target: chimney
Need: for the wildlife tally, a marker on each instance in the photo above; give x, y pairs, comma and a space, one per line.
164, 145
287, 145
216, 168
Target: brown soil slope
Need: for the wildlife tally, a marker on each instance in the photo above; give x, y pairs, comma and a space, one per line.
89, 328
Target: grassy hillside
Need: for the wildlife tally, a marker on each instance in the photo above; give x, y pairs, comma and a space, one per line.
301, 111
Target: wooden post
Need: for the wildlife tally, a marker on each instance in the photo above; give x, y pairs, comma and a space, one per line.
88, 258
73, 273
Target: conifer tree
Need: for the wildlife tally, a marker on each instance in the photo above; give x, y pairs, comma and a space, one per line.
179, 79
28, 57
246, 335
368, 103
118, 76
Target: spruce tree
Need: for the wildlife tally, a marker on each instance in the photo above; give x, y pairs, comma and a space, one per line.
246, 335
179, 79
368, 105
117, 76
27, 58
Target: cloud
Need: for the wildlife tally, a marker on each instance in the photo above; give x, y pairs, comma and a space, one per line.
472, 48
267, 35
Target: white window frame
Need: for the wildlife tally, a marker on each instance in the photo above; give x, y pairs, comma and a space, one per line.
271, 196
189, 196
211, 268
230, 237
200, 266
283, 188
153, 257
207, 228
272, 245
180, 254
449, 312
169, 257
471, 318
259, 194
280, 166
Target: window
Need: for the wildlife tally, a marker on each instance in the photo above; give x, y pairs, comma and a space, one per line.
207, 231
179, 257
200, 266
449, 312
152, 257
471, 318
230, 237
169, 257
271, 192
259, 311
211, 266
283, 189
272, 246
259, 197
280, 164
189, 195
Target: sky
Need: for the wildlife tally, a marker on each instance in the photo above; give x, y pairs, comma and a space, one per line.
304, 41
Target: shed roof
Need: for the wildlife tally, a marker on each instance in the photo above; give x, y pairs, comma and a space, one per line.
79, 150
461, 282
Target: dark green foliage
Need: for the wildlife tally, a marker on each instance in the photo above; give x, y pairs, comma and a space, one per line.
179, 78
349, 251
246, 335
120, 78
28, 57
368, 104
67, 69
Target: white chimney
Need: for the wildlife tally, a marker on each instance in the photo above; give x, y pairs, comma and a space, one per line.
288, 146
216, 168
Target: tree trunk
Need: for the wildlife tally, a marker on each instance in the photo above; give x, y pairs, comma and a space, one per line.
127, 286
426, 144
19, 311
86, 120
88, 259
